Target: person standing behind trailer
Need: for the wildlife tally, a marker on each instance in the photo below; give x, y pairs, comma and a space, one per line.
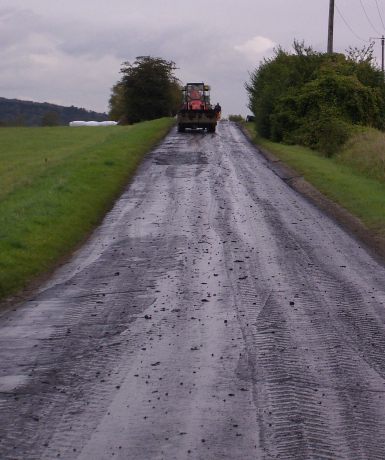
218, 110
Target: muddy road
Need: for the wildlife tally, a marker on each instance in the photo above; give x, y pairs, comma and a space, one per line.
215, 314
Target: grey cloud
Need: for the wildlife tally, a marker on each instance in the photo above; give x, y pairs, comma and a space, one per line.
72, 50
30, 41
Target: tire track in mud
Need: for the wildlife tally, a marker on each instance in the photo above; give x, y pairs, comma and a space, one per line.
307, 418
73, 373
280, 379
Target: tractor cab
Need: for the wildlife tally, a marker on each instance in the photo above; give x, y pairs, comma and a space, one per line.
196, 96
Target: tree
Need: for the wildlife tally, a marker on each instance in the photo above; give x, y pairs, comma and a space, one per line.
50, 119
117, 103
18, 120
147, 90
236, 118
361, 55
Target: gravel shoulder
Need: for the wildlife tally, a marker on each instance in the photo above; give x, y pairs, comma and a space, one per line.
215, 314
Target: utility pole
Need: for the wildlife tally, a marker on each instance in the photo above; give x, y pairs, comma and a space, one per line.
331, 27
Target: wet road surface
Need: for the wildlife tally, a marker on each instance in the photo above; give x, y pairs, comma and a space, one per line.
215, 314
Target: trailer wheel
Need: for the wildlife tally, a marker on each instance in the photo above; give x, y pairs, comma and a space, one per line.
181, 129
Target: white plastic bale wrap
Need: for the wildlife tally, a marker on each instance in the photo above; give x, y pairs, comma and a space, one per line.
92, 123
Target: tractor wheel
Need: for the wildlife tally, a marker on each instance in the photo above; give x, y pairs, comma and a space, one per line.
181, 129
211, 129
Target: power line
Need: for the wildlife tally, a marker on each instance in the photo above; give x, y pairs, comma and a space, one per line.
348, 25
367, 17
379, 14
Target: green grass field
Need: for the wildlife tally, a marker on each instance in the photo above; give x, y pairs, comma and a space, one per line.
56, 185
350, 179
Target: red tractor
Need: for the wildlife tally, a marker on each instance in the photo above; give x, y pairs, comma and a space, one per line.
197, 111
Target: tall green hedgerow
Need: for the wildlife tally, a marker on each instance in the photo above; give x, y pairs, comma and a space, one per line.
314, 99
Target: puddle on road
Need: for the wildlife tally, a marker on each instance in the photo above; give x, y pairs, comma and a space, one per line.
181, 158
10, 383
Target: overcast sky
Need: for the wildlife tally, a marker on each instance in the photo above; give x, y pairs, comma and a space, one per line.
70, 51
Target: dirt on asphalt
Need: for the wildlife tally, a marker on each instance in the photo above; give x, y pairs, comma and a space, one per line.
373, 241
215, 314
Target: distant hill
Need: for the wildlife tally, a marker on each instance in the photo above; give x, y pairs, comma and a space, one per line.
14, 112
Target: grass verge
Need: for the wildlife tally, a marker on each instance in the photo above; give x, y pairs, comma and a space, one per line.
56, 185
365, 153
346, 179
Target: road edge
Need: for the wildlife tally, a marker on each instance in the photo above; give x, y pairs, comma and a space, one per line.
31, 288
373, 243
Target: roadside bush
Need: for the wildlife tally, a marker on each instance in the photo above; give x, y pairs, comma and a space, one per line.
314, 99
236, 118
326, 132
